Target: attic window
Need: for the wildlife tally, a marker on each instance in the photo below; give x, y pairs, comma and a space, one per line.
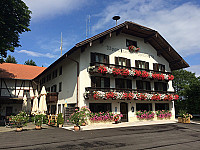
130, 42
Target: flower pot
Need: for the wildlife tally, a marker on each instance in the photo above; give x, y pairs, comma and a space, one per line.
60, 125
38, 127
83, 124
180, 120
76, 128
186, 120
19, 129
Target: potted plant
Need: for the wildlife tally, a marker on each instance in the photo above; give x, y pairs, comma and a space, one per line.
116, 118
75, 119
186, 118
38, 119
20, 120
180, 119
60, 120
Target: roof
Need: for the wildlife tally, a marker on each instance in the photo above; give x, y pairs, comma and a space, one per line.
19, 71
149, 35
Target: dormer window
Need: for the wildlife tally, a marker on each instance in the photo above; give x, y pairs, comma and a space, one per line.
130, 42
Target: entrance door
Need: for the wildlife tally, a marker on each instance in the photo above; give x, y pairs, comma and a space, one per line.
9, 111
124, 111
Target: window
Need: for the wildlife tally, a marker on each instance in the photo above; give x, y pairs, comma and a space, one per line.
100, 82
122, 61
143, 85
158, 67
27, 93
100, 107
142, 64
130, 42
60, 86
48, 77
123, 83
143, 106
162, 106
160, 86
60, 70
48, 89
100, 58
54, 88
54, 75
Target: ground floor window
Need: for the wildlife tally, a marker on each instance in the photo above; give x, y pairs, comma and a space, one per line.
162, 106
100, 107
144, 106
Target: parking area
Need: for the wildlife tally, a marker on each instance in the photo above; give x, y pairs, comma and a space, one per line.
163, 136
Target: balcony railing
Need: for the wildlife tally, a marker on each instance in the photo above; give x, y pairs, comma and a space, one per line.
96, 64
52, 97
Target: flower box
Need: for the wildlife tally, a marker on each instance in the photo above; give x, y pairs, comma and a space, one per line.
180, 120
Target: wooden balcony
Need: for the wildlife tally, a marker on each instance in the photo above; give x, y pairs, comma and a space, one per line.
52, 97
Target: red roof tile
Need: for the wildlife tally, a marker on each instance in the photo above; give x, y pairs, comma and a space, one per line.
19, 71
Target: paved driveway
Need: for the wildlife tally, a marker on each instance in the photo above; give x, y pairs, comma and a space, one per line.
166, 136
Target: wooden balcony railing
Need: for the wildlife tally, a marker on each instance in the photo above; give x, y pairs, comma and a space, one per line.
96, 64
52, 97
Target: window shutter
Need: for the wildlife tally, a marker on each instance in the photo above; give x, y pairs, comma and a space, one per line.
155, 66
129, 84
107, 82
92, 81
163, 68
128, 63
164, 86
136, 63
116, 60
147, 65
156, 86
92, 57
107, 59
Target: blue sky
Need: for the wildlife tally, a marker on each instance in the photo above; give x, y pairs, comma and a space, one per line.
177, 21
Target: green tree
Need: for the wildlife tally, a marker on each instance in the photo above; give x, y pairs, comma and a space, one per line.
14, 19
30, 62
184, 83
11, 59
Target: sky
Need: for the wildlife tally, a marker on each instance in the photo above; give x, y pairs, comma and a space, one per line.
177, 21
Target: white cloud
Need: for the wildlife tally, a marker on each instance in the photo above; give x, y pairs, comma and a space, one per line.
45, 9
195, 69
179, 24
36, 54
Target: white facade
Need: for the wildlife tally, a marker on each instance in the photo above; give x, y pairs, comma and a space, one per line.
114, 46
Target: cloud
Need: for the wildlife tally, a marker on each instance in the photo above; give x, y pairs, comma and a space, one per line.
178, 23
36, 54
195, 69
45, 9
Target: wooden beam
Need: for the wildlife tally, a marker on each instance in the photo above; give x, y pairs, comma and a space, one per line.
149, 37
90, 43
175, 61
110, 34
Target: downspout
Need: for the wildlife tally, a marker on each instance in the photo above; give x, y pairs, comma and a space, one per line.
77, 71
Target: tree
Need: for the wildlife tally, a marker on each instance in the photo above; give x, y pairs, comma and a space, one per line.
11, 59
30, 62
14, 19
186, 85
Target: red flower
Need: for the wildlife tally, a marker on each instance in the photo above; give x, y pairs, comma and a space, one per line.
96, 96
130, 96
176, 97
125, 72
138, 73
125, 95
141, 96
144, 74
102, 69
116, 71
170, 77
168, 97
156, 97
161, 77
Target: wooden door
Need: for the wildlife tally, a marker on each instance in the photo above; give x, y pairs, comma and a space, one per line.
124, 111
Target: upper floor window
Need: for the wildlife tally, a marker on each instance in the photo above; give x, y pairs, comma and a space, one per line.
160, 86
60, 70
142, 64
143, 85
100, 58
48, 77
123, 83
54, 74
100, 82
158, 67
122, 61
54, 88
48, 89
60, 87
130, 42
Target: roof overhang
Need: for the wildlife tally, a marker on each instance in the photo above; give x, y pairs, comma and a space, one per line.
149, 35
